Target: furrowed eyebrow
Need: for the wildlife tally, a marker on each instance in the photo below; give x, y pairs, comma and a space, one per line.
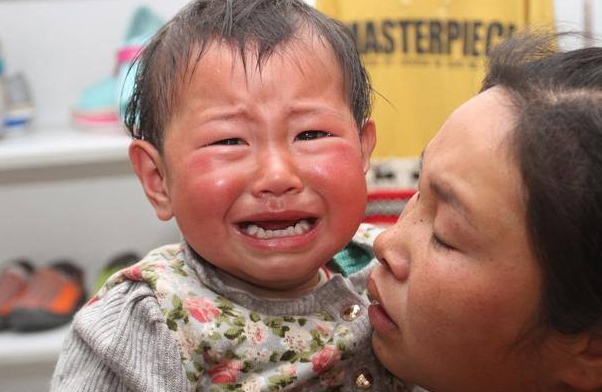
446, 194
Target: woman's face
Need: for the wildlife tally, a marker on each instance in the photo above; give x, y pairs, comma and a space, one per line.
459, 284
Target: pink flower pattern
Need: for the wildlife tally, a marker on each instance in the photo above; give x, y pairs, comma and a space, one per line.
201, 309
133, 273
226, 372
325, 359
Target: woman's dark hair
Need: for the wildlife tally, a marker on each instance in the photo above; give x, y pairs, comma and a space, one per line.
557, 142
244, 25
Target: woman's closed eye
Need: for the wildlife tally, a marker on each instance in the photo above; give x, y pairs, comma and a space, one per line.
438, 243
313, 134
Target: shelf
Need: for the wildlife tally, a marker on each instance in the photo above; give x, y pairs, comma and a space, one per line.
27, 348
60, 146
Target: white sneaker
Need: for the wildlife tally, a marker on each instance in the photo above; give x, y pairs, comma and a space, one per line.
19, 106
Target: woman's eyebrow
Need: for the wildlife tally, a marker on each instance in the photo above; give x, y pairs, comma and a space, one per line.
447, 195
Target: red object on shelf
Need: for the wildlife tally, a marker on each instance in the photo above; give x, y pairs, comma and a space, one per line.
385, 205
391, 194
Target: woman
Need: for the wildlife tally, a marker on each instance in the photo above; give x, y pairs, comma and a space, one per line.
491, 280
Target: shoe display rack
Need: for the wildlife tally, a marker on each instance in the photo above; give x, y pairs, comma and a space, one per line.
66, 192
27, 360
22, 349
60, 146
57, 185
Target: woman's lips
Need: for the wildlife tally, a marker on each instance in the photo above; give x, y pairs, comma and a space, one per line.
379, 318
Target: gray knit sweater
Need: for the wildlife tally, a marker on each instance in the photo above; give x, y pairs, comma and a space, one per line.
124, 343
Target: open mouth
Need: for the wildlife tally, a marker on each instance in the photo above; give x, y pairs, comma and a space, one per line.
277, 229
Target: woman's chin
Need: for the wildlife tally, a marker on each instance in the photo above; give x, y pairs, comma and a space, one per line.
388, 354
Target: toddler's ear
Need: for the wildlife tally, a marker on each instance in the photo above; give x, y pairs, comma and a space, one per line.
150, 169
367, 141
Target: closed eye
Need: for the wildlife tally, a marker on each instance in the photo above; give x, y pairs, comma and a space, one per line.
313, 134
438, 243
234, 141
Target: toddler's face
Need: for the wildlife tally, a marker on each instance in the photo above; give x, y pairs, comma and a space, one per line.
264, 170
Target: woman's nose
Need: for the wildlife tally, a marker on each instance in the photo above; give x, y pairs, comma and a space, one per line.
277, 174
391, 250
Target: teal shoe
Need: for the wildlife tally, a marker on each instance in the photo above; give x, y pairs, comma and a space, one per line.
102, 104
143, 26
96, 106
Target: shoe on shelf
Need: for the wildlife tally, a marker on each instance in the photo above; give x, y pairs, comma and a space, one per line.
13, 280
101, 105
96, 107
19, 107
52, 297
2, 86
143, 25
116, 264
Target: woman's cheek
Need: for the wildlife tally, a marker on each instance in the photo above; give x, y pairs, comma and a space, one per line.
451, 306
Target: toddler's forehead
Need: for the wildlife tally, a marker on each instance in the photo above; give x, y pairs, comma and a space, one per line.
303, 51
253, 55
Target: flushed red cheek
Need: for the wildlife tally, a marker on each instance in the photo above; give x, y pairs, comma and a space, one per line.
328, 171
206, 193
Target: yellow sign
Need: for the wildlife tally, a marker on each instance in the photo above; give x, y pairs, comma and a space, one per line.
426, 57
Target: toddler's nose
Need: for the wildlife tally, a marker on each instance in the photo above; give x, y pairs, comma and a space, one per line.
277, 174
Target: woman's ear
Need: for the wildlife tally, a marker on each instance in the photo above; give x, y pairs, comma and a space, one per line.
367, 141
583, 369
150, 169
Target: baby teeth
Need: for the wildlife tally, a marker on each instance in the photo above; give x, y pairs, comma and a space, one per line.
301, 227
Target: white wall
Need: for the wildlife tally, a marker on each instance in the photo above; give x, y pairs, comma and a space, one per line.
569, 15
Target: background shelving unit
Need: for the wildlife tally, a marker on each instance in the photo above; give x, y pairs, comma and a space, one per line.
64, 192
27, 360
61, 146
26, 348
